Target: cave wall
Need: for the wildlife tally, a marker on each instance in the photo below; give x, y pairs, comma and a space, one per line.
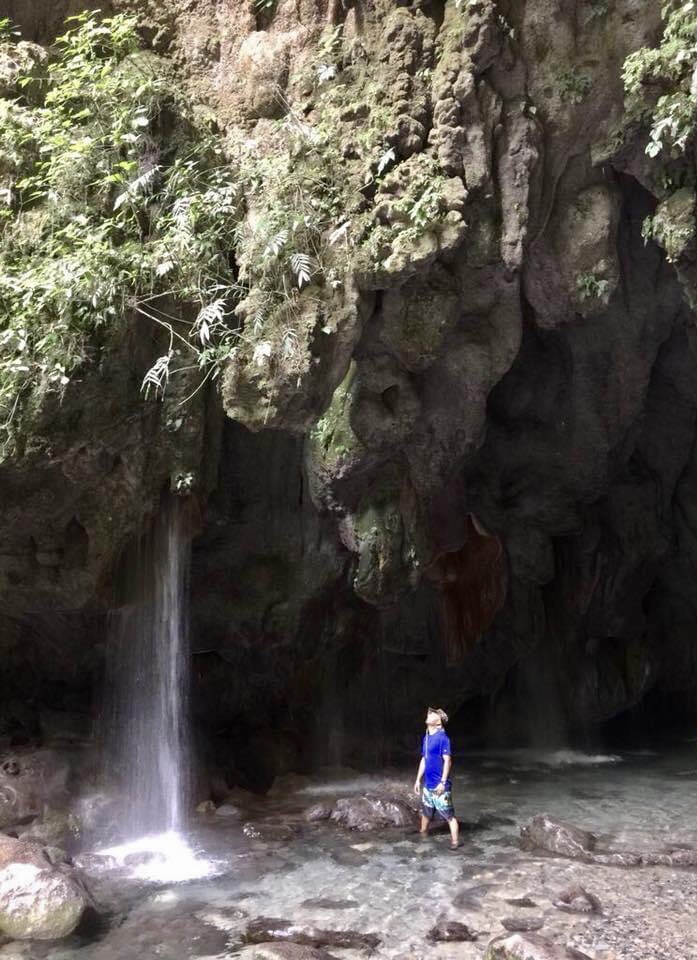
480, 494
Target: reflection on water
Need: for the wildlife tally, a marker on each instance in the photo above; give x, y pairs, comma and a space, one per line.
397, 886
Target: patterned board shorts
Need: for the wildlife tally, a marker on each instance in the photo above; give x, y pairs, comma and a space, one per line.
437, 804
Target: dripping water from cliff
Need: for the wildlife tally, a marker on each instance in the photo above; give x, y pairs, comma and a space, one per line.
147, 742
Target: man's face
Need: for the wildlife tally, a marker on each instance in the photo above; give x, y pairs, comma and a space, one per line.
432, 719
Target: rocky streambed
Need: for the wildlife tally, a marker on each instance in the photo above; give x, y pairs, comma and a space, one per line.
289, 880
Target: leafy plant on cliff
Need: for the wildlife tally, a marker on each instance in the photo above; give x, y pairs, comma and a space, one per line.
657, 82
100, 217
116, 199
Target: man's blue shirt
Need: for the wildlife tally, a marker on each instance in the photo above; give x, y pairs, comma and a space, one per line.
435, 746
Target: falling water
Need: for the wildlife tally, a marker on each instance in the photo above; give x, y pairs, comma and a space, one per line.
146, 679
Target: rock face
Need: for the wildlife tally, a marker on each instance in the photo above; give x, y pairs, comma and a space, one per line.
479, 482
38, 900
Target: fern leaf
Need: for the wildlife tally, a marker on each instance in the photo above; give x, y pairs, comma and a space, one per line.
301, 265
157, 376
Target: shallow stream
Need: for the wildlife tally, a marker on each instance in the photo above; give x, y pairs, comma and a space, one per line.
270, 863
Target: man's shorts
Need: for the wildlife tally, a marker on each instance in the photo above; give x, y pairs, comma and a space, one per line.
437, 804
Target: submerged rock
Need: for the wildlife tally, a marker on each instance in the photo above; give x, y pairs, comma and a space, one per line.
672, 858
227, 810
267, 929
284, 951
555, 836
576, 899
318, 811
451, 931
522, 924
39, 900
530, 947
521, 902
372, 813
326, 903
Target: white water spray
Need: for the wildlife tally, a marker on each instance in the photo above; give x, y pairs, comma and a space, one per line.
147, 680
148, 648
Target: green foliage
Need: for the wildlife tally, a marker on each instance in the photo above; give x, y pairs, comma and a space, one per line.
117, 199
573, 87
100, 217
589, 287
666, 69
673, 223
598, 9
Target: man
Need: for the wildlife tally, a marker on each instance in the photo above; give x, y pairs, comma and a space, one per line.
434, 770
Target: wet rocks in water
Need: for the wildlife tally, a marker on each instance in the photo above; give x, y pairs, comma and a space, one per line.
555, 836
451, 931
279, 832
228, 810
521, 902
284, 951
522, 924
318, 811
372, 813
672, 858
326, 903
576, 899
267, 929
530, 947
38, 899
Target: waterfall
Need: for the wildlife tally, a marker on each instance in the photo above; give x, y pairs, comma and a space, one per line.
147, 673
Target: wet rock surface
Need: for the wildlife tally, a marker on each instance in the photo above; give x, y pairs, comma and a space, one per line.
554, 836
40, 899
372, 813
451, 931
267, 929
577, 900
531, 947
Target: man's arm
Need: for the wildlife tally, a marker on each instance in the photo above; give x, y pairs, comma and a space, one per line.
447, 765
419, 776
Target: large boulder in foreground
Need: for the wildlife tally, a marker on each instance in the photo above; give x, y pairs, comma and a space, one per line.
529, 946
39, 900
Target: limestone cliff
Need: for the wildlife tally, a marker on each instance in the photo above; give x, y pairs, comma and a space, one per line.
463, 469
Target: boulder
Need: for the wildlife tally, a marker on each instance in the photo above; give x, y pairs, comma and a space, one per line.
554, 836
268, 929
372, 813
54, 828
530, 947
39, 900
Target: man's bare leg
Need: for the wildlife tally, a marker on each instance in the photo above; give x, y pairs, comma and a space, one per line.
424, 825
454, 828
